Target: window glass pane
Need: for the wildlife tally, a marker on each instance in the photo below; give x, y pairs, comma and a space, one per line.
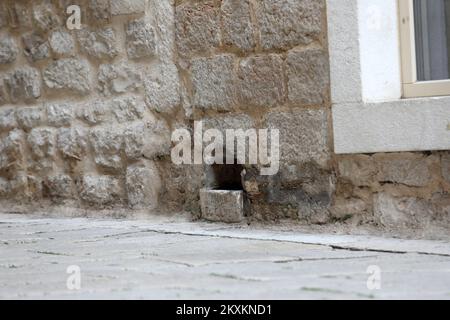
432, 34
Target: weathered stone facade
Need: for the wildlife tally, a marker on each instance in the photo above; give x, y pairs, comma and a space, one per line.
86, 115
397, 191
73, 112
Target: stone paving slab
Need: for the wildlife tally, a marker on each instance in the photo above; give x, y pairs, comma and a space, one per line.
171, 258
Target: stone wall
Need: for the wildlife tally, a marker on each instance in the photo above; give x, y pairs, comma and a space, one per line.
86, 115
397, 191
264, 64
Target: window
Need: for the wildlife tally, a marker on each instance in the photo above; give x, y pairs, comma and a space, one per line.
364, 48
425, 39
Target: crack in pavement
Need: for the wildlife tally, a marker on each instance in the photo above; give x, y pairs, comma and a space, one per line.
332, 246
51, 253
239, 278
212, 234
55, 231
350, 248
324, 259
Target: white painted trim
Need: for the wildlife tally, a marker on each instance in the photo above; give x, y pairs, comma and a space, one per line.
379, 50
374, 119
403, 125
343, 37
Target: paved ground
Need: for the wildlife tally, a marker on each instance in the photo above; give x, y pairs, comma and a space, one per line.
171, 258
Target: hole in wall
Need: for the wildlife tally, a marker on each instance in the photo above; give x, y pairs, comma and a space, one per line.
226, 177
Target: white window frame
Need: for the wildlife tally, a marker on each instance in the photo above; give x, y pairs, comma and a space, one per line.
369, 112
411, 87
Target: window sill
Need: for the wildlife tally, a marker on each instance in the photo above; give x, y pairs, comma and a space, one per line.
426, 89
419, 124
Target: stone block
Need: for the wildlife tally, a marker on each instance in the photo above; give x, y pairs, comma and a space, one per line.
22, 187
100, 11
150, 140
232, 121
34, 184
72, 143
100, 190
7, 119
24, 84
60, 114
107, 145
69, 74
360, 170
314, 211
222, 205
59, 186
45, 17
261, 81
162, 14
42, 146
62, 43
143, 185
403, 168
308, 76
133, 140
127, 109
303, 135
162, 88
95, 112
8, 50
301, 191
308, 176
402, 213
237, 25
213, 82
441, 207
118, 79
30, 117
124, 7
284, 24
140, 39
11, 151
347, 208
100, 43
157, 140
19, 14
238, 121
36, 47
197, 27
